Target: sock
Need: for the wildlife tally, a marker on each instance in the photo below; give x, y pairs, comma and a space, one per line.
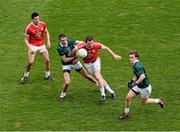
26, 74
109, 89
102, 91
126, 110
47, 73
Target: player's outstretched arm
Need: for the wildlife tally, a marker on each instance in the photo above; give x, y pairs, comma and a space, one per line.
115, 56
78, 42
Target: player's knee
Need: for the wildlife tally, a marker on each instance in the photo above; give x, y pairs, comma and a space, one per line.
97, 77
87, 76
143, 102
128, 98
67, 82
47, 61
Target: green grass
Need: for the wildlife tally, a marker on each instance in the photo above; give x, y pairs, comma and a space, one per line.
149, 26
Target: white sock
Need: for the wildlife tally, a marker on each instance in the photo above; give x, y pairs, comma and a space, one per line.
109, 89
47, 73
126, 110
102, 91
157, 100
26, 74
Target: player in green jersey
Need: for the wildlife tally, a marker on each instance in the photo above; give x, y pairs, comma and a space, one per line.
139, 84
70, 61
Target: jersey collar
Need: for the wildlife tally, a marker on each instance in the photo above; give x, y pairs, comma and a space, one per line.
63, 45
34, 24
136, 62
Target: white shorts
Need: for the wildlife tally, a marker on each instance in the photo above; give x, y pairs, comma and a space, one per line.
78, 66
91, 67
39, 49
144, 93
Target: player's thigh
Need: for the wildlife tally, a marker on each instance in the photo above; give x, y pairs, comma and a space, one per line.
97, 65
31, 57
144, 100
84, 72
45, 55
89, 68
97, 75
78, 66
131, 94
146, 92
66, 76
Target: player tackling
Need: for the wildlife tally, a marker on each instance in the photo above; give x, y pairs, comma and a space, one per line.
69, 62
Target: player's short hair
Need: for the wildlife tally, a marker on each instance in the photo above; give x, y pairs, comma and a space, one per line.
135, 53
88, 38
34, 14
61, 35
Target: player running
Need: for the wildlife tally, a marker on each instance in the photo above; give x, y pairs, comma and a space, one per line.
93, 63
139, 84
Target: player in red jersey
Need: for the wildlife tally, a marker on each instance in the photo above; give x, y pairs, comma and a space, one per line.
93, 64
34, 40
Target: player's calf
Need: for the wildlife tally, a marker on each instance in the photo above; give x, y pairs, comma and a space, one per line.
161, 102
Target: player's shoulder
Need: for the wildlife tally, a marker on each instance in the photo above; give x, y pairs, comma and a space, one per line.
28, 25
59, 47
97, 45
138, 65
71, 41
42, 24
82, 45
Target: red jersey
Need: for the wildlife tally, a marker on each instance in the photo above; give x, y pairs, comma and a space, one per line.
92, 53
36, 33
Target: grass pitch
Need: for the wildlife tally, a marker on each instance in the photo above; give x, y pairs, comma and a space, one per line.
149, 26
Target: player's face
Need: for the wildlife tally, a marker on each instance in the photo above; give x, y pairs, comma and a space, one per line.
132, 58
35, 20
89, 44
63, 40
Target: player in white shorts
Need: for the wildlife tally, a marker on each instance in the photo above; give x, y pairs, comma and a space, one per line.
93, 64
69, 62
139, 85
34, 40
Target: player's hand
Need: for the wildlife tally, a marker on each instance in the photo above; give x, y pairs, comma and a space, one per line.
74, 51
48, 45
75, 60
31, 51
131, 84
117, 57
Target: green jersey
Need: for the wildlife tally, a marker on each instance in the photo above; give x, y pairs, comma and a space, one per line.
66, 50
138, 71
